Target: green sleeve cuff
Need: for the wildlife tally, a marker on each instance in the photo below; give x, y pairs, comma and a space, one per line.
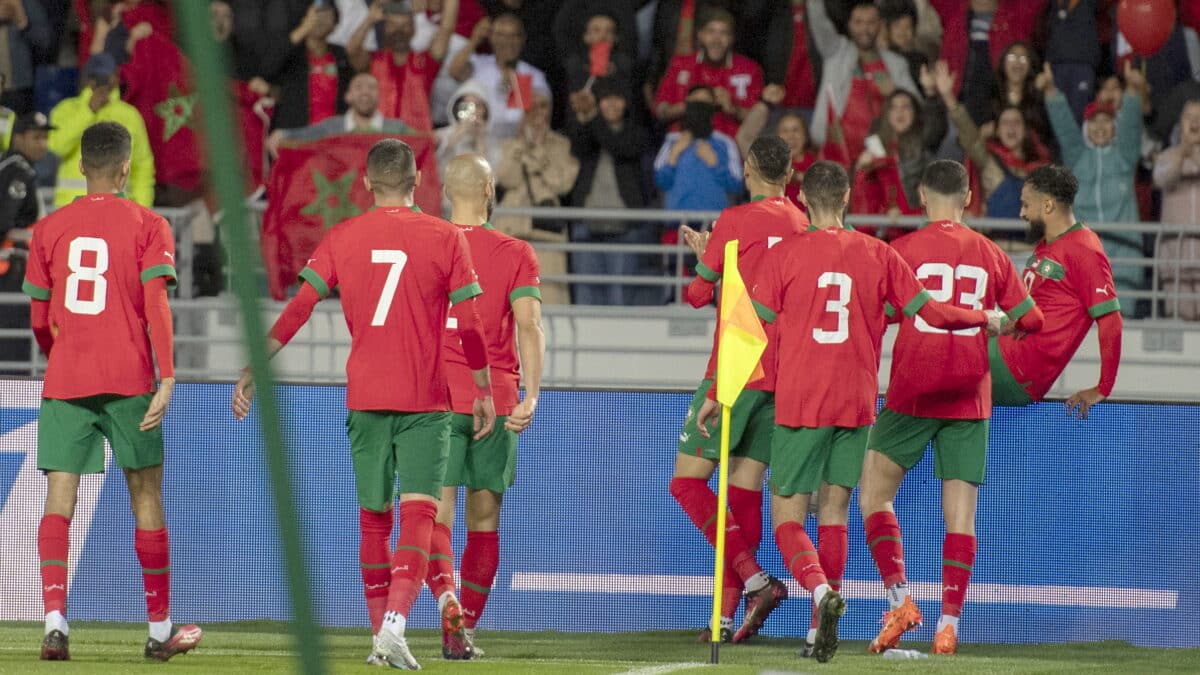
1097, 311
1020, 310
888, 310
34, 291
706, 273
469, 291
310, 275
525, 292
163, 270
765, 313
910, 310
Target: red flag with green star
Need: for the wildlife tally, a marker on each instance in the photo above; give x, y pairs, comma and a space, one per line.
313, 186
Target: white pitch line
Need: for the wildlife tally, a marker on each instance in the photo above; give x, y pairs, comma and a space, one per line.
664, 668
983, 593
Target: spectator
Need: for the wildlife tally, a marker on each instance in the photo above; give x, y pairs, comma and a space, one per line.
20, 208
312, 84
1073, 51
510, 84
99, 101
974, 36
537, 169
1015, 76
268, 43
405, 76
909, 134
468, 131
574, 16
1177, 174
794, 131
609, 147
736, 81
362, 98
428, 25
799, 74
697, 166
253, 105
25, 37
927, 29
856, 78
1104, 157
8, 120
1168, 107
1176, 62
600, 28
900, 35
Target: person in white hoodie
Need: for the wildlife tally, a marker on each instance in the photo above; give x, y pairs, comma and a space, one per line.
1177, 174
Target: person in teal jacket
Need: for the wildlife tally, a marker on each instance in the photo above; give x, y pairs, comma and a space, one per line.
1104, 157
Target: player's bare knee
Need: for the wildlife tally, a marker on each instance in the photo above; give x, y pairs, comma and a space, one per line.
833, 505
688, 466
446, 506
746, 473
483, 510
62, 491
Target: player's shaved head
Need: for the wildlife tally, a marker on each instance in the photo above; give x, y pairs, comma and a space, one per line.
825, 187
391, 167
104, 148
1056, 182
467, 177
770, 158
946, 178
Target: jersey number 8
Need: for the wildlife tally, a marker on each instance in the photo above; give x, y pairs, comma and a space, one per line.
93, 273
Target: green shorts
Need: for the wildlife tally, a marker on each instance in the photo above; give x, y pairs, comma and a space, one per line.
1005, 388
752, 421
71, 433
959, 446
488, 464
803, 457
387, 445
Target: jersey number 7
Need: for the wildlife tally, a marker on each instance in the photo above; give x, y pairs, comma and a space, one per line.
397, 259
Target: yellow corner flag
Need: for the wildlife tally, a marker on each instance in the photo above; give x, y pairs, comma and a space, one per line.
741, 341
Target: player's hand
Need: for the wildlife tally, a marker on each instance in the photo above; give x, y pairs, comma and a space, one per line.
1082, 401
707, 411
996, 322
695, 240
243, 394
484, 412
521, 416
158, 405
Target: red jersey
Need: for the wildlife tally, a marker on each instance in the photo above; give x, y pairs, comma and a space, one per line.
396, 267
322, 87
404, 89
757, 226
739, 75
508, 270
90, 259
1071, 280
828, 289
940, 373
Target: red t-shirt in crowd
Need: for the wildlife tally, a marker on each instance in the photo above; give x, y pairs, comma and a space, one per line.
739, 75
322, 87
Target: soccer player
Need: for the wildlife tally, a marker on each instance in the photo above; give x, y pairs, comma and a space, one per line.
508, 271
767, 220
827, 290
939, 391
399, 271
98, 274
1070, 278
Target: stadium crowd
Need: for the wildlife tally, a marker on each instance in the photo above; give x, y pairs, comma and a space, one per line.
636, 103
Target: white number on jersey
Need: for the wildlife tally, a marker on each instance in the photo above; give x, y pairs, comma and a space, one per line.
949, 276
771, 241
838, 307
397, 260
1029, 278
93, 273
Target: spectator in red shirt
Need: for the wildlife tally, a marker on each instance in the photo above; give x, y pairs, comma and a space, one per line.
405, 77
794, 131
736, 81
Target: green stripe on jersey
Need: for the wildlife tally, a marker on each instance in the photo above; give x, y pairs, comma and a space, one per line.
1021, 309
469, 291
314, 279
163, 270
888, 310
765, 313
525, 292
1097, 311
34, 291
910, 310
706, 273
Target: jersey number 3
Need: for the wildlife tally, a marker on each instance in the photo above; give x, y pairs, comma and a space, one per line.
949, 276
93, 273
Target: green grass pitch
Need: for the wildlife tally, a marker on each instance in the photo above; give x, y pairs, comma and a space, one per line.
264, 647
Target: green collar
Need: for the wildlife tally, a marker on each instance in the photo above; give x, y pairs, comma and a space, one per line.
488, 226
758, 198
814, 228
1077, 226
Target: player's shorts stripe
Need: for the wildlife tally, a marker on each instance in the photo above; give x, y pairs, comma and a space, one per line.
310, 275
34, 291
469, 291
765, 313
376, 566
163, 270
1097, 311
706, 273
915, 305
525, 292
60, 563
1021, 310
476, 587
418, 549
156, 570
801, 553
879, 539
955, 563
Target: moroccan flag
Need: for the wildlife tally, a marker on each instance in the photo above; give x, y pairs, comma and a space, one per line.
158, 84
313, 186
741, 338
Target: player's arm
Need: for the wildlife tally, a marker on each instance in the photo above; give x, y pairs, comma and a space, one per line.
39, 320
37, 286
1096, 291
531, 347
711, 252
464, 287
907, 293
162, 341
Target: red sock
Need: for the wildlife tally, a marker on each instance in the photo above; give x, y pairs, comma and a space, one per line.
958, 557
153, 549
480, 559
411, 558
375, 533
700, 504
798, 552
833, 550
883, 538
747, 508
440, 577
54, 546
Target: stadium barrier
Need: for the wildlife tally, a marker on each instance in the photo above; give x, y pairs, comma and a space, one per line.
1079, 524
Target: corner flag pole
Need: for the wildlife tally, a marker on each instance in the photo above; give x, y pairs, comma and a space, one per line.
722, 510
